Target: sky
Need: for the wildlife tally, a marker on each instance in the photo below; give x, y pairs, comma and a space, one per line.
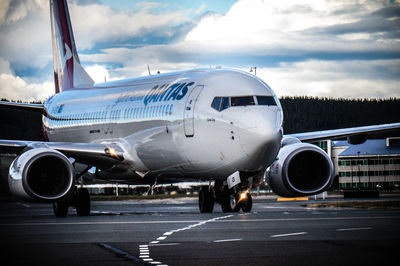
324, 48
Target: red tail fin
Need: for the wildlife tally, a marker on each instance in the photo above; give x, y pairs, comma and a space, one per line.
68, 72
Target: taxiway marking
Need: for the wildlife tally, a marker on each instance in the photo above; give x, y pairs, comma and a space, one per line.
290, 234
145, 251
353, 229
227, 240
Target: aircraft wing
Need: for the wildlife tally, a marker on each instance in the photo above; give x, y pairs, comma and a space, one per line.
95, 154
345, 132
27, 106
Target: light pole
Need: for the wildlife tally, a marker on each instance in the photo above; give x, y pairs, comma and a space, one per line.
255, 70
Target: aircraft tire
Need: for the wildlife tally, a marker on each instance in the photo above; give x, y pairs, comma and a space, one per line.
82, 202
60, 208
206, 199
247, 204
229, 202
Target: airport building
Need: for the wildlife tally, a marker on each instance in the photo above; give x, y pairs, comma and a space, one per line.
375, 164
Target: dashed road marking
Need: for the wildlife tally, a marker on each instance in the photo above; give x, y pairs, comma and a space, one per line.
227, 240
144, 249
353, 229
290, 234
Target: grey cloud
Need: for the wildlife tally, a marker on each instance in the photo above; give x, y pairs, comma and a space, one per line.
363, 26
391, 11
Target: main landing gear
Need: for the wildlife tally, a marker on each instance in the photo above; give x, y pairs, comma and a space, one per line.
79, 199
231, 200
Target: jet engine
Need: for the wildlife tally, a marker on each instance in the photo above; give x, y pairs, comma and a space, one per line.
41, 174
300, 169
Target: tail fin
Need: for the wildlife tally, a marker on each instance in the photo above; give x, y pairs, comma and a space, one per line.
68, 72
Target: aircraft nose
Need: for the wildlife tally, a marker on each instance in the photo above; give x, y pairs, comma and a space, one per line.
259, 130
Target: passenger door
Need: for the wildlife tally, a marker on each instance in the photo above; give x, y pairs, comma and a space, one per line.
188, 116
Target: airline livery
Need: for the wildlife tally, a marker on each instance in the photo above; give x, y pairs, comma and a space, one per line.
217, 125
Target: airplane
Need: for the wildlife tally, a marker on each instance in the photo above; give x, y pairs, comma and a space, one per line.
218, 125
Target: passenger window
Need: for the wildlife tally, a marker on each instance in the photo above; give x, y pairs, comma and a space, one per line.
242, 101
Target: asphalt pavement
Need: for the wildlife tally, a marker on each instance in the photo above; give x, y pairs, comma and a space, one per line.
173, 232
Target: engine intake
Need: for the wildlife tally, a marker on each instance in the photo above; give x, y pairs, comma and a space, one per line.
300, 169
41, 174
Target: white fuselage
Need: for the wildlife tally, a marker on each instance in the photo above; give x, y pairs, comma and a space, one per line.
167, 126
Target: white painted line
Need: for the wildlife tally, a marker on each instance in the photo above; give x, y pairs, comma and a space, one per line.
290, 234
166, 244
145, 253
353, 229
227, 240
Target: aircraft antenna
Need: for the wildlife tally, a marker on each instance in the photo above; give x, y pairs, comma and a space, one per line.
148, 68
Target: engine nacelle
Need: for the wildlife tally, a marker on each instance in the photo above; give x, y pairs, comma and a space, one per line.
41, 174
300, 169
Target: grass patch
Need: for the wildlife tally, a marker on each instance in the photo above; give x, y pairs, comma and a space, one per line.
392, 204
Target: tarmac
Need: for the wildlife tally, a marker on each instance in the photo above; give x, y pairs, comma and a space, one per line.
173, 232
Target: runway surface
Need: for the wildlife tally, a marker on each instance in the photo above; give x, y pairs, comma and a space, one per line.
173, 232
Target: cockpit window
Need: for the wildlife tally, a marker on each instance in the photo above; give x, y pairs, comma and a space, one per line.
265, 100
222, 103
242, 101
216, 103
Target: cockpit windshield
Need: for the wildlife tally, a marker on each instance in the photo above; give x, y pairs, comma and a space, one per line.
222, 103
242, 101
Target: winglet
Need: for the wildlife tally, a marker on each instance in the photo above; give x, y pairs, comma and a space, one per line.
68, 72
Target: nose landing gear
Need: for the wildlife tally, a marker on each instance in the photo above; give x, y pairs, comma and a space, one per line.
231, 200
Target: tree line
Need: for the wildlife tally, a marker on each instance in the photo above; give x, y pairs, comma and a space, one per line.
304, 114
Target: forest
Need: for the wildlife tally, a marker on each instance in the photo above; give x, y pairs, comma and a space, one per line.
301, 114
304, 114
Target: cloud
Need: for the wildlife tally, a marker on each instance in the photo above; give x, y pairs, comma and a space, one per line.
201, 9
98, 23
374, 78
98, 73
15, 88
348, 48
